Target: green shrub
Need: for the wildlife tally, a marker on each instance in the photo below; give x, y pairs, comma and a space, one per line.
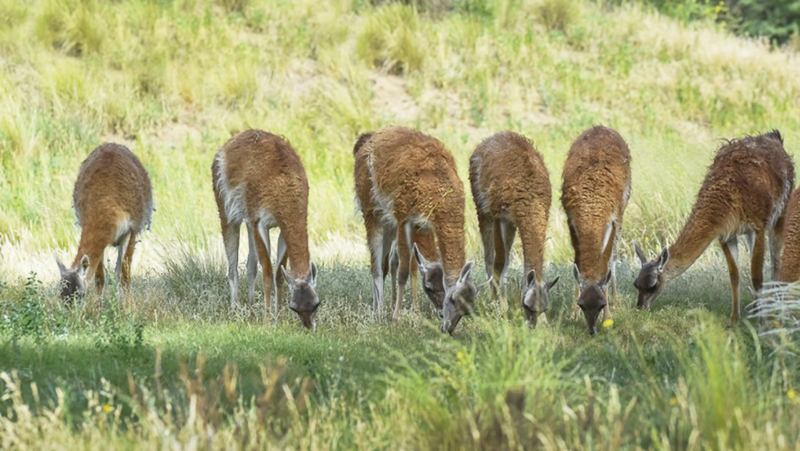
778, 20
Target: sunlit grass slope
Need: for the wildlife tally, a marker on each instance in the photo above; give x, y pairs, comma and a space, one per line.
174, 80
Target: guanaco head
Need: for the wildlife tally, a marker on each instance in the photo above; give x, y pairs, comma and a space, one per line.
304, 296
592, 298
535, 299
73, 280
650, 281
432, 275
459, 300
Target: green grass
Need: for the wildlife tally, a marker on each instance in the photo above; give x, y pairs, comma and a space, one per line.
180, 369
173, 80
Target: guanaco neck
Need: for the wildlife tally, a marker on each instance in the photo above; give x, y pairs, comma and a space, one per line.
532, 252
297, 248
450, 235
700, 230
92, 244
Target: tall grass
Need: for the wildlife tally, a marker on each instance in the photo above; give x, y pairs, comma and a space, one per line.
159, 376
174, 80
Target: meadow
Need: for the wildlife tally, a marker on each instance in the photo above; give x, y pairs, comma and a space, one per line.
173, 80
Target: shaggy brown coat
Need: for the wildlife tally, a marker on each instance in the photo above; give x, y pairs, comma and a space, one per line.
113, 203
744, 192
595, 191
415, 184
375, 228
259, 179
790, 258
511, 189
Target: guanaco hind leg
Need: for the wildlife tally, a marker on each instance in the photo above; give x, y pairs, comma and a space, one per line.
230, 237
252, 268
731, 251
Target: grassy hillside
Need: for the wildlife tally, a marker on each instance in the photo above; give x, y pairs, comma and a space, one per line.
174, 79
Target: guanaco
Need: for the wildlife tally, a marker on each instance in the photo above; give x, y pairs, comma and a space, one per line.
415, 185
113, 203
595, 191
259, 180
511, 189
384, 257
744, 193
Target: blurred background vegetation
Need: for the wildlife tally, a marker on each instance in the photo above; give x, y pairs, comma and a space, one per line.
173, 80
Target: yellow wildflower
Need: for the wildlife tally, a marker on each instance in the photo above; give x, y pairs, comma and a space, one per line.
790, 394
673, 401
608, 323
106, 408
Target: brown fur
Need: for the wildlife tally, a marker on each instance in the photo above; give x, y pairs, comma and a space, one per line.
112, 187
415, 184
595, 192
272, 192
790, 258
744, 192
380, 265
511, 189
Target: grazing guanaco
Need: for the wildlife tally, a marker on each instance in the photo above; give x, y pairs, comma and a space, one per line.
511, 190
384, 257
790, 258
595, 192
415, 185
259, 180
744, 193
113, 203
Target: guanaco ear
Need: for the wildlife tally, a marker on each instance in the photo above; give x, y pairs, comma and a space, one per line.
605, 280
662, 260
577, 274
530, 278
421, 262
61, 268
639, 253
84, 268
312, 275
287, 277
551, 283
464, 277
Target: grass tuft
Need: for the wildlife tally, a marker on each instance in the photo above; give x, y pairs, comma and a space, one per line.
72, 26
391, 39
557, 15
